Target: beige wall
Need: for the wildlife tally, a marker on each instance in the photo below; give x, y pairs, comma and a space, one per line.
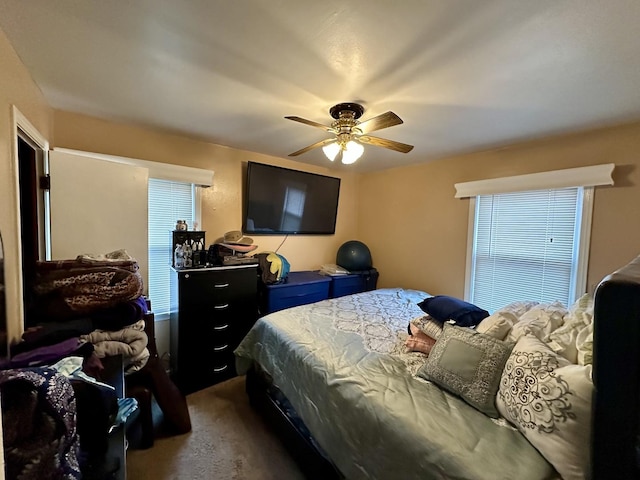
222, 203
417, 230
16, 88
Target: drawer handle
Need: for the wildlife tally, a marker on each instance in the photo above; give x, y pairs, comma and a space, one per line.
220, 285
221, 307
220, 348
221, 369
221, 327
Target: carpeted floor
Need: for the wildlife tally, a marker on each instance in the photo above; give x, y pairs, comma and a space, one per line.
228, 441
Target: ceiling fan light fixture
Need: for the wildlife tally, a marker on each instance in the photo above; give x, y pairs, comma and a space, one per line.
331, 150
350, 133
352, 152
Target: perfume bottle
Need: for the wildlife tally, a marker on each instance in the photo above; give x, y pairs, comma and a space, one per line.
188, 256
178, 256
197, 255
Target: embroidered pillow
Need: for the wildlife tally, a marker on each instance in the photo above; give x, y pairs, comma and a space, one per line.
443, 308
468, 364
428, 326
549, 400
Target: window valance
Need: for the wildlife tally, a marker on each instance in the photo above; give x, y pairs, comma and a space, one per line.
570, 177
163, 171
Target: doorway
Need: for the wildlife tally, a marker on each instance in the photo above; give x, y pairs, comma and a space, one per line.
33, 196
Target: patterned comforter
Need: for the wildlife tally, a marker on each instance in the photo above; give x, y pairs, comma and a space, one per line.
342, 365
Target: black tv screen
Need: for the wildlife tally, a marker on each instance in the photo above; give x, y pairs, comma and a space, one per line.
284, 201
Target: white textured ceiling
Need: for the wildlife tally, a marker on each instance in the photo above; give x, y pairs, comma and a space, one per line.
464, 75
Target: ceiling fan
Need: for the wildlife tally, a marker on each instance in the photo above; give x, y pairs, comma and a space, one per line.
350, 133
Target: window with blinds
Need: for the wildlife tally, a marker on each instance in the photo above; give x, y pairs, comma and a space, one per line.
526, 247
168, 202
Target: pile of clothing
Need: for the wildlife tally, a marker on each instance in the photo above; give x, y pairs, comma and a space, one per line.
91, 306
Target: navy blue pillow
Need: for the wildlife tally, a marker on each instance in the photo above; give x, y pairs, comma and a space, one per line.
443, 308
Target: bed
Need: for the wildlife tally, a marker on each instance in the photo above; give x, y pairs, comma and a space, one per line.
336, 377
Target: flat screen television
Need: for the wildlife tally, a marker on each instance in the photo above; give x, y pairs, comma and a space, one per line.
281, 201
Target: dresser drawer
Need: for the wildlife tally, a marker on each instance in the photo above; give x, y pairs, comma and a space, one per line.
219, 288
300, 288
346, 285
364, 281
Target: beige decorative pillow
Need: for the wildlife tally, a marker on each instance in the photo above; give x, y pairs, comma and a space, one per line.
497, 325
428, 325
468, 364
540, 321
549, 400
564, 339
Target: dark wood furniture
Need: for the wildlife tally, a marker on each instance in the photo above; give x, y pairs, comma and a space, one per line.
615, 447
113, 374
103, 458
212, 310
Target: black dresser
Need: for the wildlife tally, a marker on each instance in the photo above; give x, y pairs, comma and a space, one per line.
212, 309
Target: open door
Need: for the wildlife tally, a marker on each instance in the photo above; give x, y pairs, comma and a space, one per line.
97, 206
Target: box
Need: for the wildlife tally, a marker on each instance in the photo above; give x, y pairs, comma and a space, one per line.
299, 288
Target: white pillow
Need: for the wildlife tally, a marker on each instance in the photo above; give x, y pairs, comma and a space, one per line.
518, 308
497, 325
579, 318
541, 321
584, 344
549, 400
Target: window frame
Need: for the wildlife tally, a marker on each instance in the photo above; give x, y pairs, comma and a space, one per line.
587, 178
196, 206
582, 242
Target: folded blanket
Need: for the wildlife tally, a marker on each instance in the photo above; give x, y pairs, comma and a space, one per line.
51, 333
50, 353
87, 289
130, 342
120, 315
82, 261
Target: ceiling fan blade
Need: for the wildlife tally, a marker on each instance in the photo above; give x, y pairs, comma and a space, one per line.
311, 123
383, 142
384, 120
321, 143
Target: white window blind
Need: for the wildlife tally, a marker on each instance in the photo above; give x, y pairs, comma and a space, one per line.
168, 201
526, 247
